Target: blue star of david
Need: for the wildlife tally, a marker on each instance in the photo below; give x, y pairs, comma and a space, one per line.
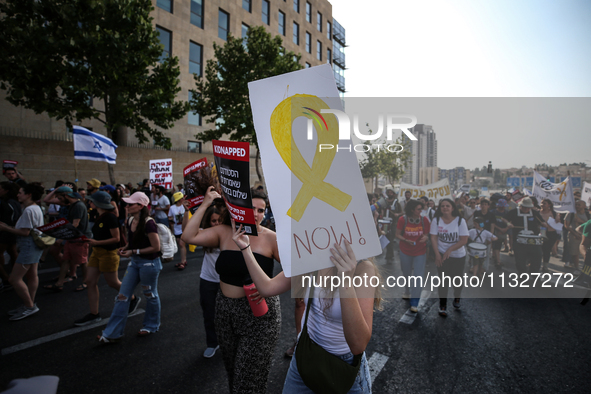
98, 146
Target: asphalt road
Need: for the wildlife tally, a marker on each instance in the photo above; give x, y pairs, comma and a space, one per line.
492, 345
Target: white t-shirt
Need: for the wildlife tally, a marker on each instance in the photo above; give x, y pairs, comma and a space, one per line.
176, 212
32, 217
449, 234
208, 271
428, 213
162, 202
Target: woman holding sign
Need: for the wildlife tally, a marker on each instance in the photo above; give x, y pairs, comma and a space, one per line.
338, 321
242, 337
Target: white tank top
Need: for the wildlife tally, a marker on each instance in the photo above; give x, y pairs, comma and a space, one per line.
208, 271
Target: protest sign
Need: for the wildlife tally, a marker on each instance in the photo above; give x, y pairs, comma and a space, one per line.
561, 194
317, 205
434, 191
161, 173
62, 229
586, 193
6, 164
232, 161
193, 194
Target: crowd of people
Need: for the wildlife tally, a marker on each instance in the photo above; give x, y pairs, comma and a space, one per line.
474, 231
144, 223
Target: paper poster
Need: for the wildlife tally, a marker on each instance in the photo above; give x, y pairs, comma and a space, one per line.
586, 193
62, 229
6, 164
435, 191
232, 161
191, 176
318, 195
161, 173
561, 194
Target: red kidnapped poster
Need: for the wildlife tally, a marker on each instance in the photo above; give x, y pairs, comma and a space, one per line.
232, 160
62, 229
192, 194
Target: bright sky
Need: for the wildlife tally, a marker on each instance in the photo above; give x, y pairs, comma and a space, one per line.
468, 48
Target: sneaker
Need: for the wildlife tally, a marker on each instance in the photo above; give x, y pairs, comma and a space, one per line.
210, 351
133, 304
90, 318
414, 309
443, 311
103, 339
17, 311
406, 296
457, 303
26, 312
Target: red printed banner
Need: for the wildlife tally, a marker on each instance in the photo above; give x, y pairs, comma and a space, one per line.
7, 164
195, 166
62, 229
161, 173
233, 168
193, 196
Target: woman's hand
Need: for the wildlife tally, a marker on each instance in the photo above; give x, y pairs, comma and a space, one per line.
424, 239
446, 254
438, 259
256, 297
125, 253
210, 195
238, 235
92, 242
344, 259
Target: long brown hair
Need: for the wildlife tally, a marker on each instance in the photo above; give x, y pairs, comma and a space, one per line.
206, 222
140, 230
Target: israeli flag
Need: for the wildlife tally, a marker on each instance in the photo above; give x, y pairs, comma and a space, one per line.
93, 146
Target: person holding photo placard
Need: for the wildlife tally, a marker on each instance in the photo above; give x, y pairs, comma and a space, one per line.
242, 337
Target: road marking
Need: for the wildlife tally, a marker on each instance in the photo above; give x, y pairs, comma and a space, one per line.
58, 335
376, 362
409, 317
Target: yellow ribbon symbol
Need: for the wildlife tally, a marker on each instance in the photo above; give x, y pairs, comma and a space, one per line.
563, 191
312, 178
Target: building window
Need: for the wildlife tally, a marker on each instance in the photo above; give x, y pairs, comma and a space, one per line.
296, 6
328, 55
308, 65
308, 12
318, 50
308, 42
195, 58
247, 5
328, 30
281, 23
319, 21
166, 40
244, 30
265, 12
223, 24
296, 33
197, 13
166, 5
194, 146
194, 118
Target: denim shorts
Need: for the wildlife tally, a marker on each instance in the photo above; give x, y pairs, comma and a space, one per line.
28, 253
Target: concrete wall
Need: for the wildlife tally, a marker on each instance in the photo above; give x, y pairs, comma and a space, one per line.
48, 161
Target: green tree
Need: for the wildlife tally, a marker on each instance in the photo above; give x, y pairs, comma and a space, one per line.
56, 56
221, 97
388, 163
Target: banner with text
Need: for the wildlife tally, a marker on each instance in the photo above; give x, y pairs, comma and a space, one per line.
434, 191
561, 194
161, 173
62, 229
191, 177
318, 195
232, 160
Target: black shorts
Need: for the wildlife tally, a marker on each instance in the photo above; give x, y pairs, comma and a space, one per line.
498, 244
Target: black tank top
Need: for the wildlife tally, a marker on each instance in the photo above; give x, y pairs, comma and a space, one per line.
232, 269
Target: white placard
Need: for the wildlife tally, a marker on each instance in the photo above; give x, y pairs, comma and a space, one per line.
561, 194
161, 173
318, 196
434, 191
586, 193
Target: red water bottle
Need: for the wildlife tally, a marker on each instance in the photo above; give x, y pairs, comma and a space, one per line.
257, 309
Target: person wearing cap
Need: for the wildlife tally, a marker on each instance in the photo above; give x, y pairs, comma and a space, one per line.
175, 218
527, 221
75, 253
143, 247
500, 229
104, 258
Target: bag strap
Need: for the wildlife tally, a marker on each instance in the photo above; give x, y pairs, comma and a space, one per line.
310, 298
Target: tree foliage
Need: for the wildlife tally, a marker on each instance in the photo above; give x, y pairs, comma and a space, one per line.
382, 162
222, 96
55, 56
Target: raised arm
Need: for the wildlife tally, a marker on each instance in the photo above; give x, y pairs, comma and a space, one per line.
192, 233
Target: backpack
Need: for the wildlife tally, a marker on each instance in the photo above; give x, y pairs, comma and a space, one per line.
459, 221
168, 247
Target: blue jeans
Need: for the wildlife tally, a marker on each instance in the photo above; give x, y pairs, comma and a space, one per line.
295, 385
141, 271
408, 265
